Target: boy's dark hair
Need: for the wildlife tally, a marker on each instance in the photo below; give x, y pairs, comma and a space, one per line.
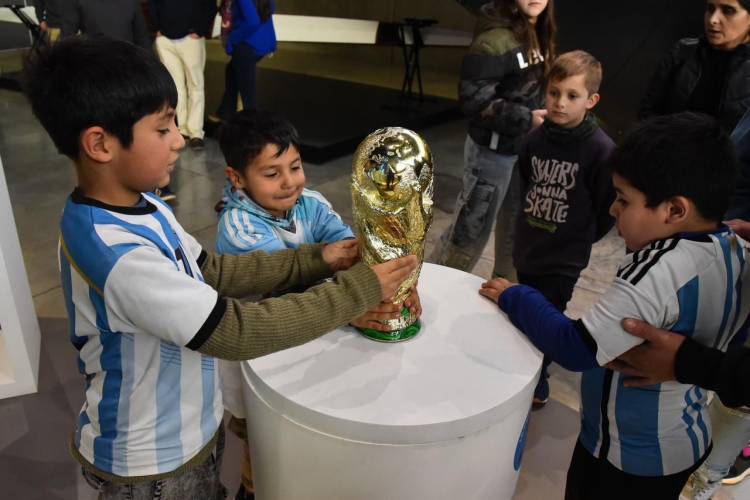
247, 132
83, 82
686, 154
577, 62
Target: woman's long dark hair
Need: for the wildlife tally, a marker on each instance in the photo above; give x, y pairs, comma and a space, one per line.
264, 9
544, 36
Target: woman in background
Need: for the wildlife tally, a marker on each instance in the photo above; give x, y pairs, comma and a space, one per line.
708, 74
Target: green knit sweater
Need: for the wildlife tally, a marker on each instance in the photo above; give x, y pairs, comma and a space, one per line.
249, 330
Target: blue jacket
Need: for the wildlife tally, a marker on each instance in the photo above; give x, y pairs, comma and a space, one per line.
245, 226
247, 28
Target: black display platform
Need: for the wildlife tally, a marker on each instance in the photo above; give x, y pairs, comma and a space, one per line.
333, 116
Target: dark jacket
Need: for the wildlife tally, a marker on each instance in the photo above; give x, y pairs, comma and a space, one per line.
739, 205
499, 86
567, 190
179, 18
119, 19
726, 373
680, 71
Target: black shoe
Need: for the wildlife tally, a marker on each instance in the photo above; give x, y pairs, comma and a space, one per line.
541, 393
165, 194
739, 471
196, 143
243, 494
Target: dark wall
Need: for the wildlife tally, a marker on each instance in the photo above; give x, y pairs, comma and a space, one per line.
629, 38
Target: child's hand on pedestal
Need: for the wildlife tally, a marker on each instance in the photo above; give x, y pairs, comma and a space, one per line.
494, 288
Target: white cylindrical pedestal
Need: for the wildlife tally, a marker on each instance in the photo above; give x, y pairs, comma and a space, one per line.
441, 416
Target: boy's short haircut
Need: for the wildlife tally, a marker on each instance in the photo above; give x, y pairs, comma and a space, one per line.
577, 62
685, 154
83, 82
244, 135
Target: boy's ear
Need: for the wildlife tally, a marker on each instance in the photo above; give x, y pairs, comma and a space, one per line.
679, 209
98, 145
593, 100
233, 177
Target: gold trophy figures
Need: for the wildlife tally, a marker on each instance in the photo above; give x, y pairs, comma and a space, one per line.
392, 206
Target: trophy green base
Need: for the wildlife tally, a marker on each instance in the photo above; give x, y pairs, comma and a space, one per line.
396, 335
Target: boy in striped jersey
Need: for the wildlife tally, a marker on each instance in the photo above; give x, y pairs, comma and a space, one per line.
149, 310
673, 176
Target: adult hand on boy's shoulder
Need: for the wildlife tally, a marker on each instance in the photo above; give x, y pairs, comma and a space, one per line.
494, 288
341, 255
740, 227
651, 362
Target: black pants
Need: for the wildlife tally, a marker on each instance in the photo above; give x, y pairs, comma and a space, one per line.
557, 289
239, 78
591, 478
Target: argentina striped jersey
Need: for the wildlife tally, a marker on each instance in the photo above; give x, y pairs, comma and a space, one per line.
135, 298
692, 285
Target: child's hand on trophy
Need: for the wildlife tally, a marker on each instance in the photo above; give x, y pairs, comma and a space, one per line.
392, 273
341, 255
375, 316
413, 303
494, 288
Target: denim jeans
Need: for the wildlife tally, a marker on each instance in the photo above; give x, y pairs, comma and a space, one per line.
731, 433
487, 175
199, 483
239, 79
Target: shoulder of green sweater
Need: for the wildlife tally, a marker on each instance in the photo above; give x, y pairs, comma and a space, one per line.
495, 41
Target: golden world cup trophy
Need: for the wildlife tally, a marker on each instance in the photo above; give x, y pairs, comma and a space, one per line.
392, 205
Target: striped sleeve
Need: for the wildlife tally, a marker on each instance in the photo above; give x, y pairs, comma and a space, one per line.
642, 289
145, 292
327, 225
238, 234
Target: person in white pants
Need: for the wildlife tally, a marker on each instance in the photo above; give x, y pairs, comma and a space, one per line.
183, 26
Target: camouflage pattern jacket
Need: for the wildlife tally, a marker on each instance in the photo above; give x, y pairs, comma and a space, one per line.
500, 85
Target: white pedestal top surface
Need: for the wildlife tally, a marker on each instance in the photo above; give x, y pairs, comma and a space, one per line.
461, 373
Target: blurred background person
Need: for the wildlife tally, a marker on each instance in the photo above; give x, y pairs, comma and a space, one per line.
707, 74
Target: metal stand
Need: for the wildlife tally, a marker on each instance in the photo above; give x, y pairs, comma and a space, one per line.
38, 38
411, 28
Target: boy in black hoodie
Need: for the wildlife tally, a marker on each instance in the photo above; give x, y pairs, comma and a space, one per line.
567, 190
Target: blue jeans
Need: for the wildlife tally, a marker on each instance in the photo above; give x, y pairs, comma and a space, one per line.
239, 79
487, 176
731, 432
199, 483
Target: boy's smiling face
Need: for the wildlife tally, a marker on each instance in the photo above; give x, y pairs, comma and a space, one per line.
274, 181
568, 101
150, 159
